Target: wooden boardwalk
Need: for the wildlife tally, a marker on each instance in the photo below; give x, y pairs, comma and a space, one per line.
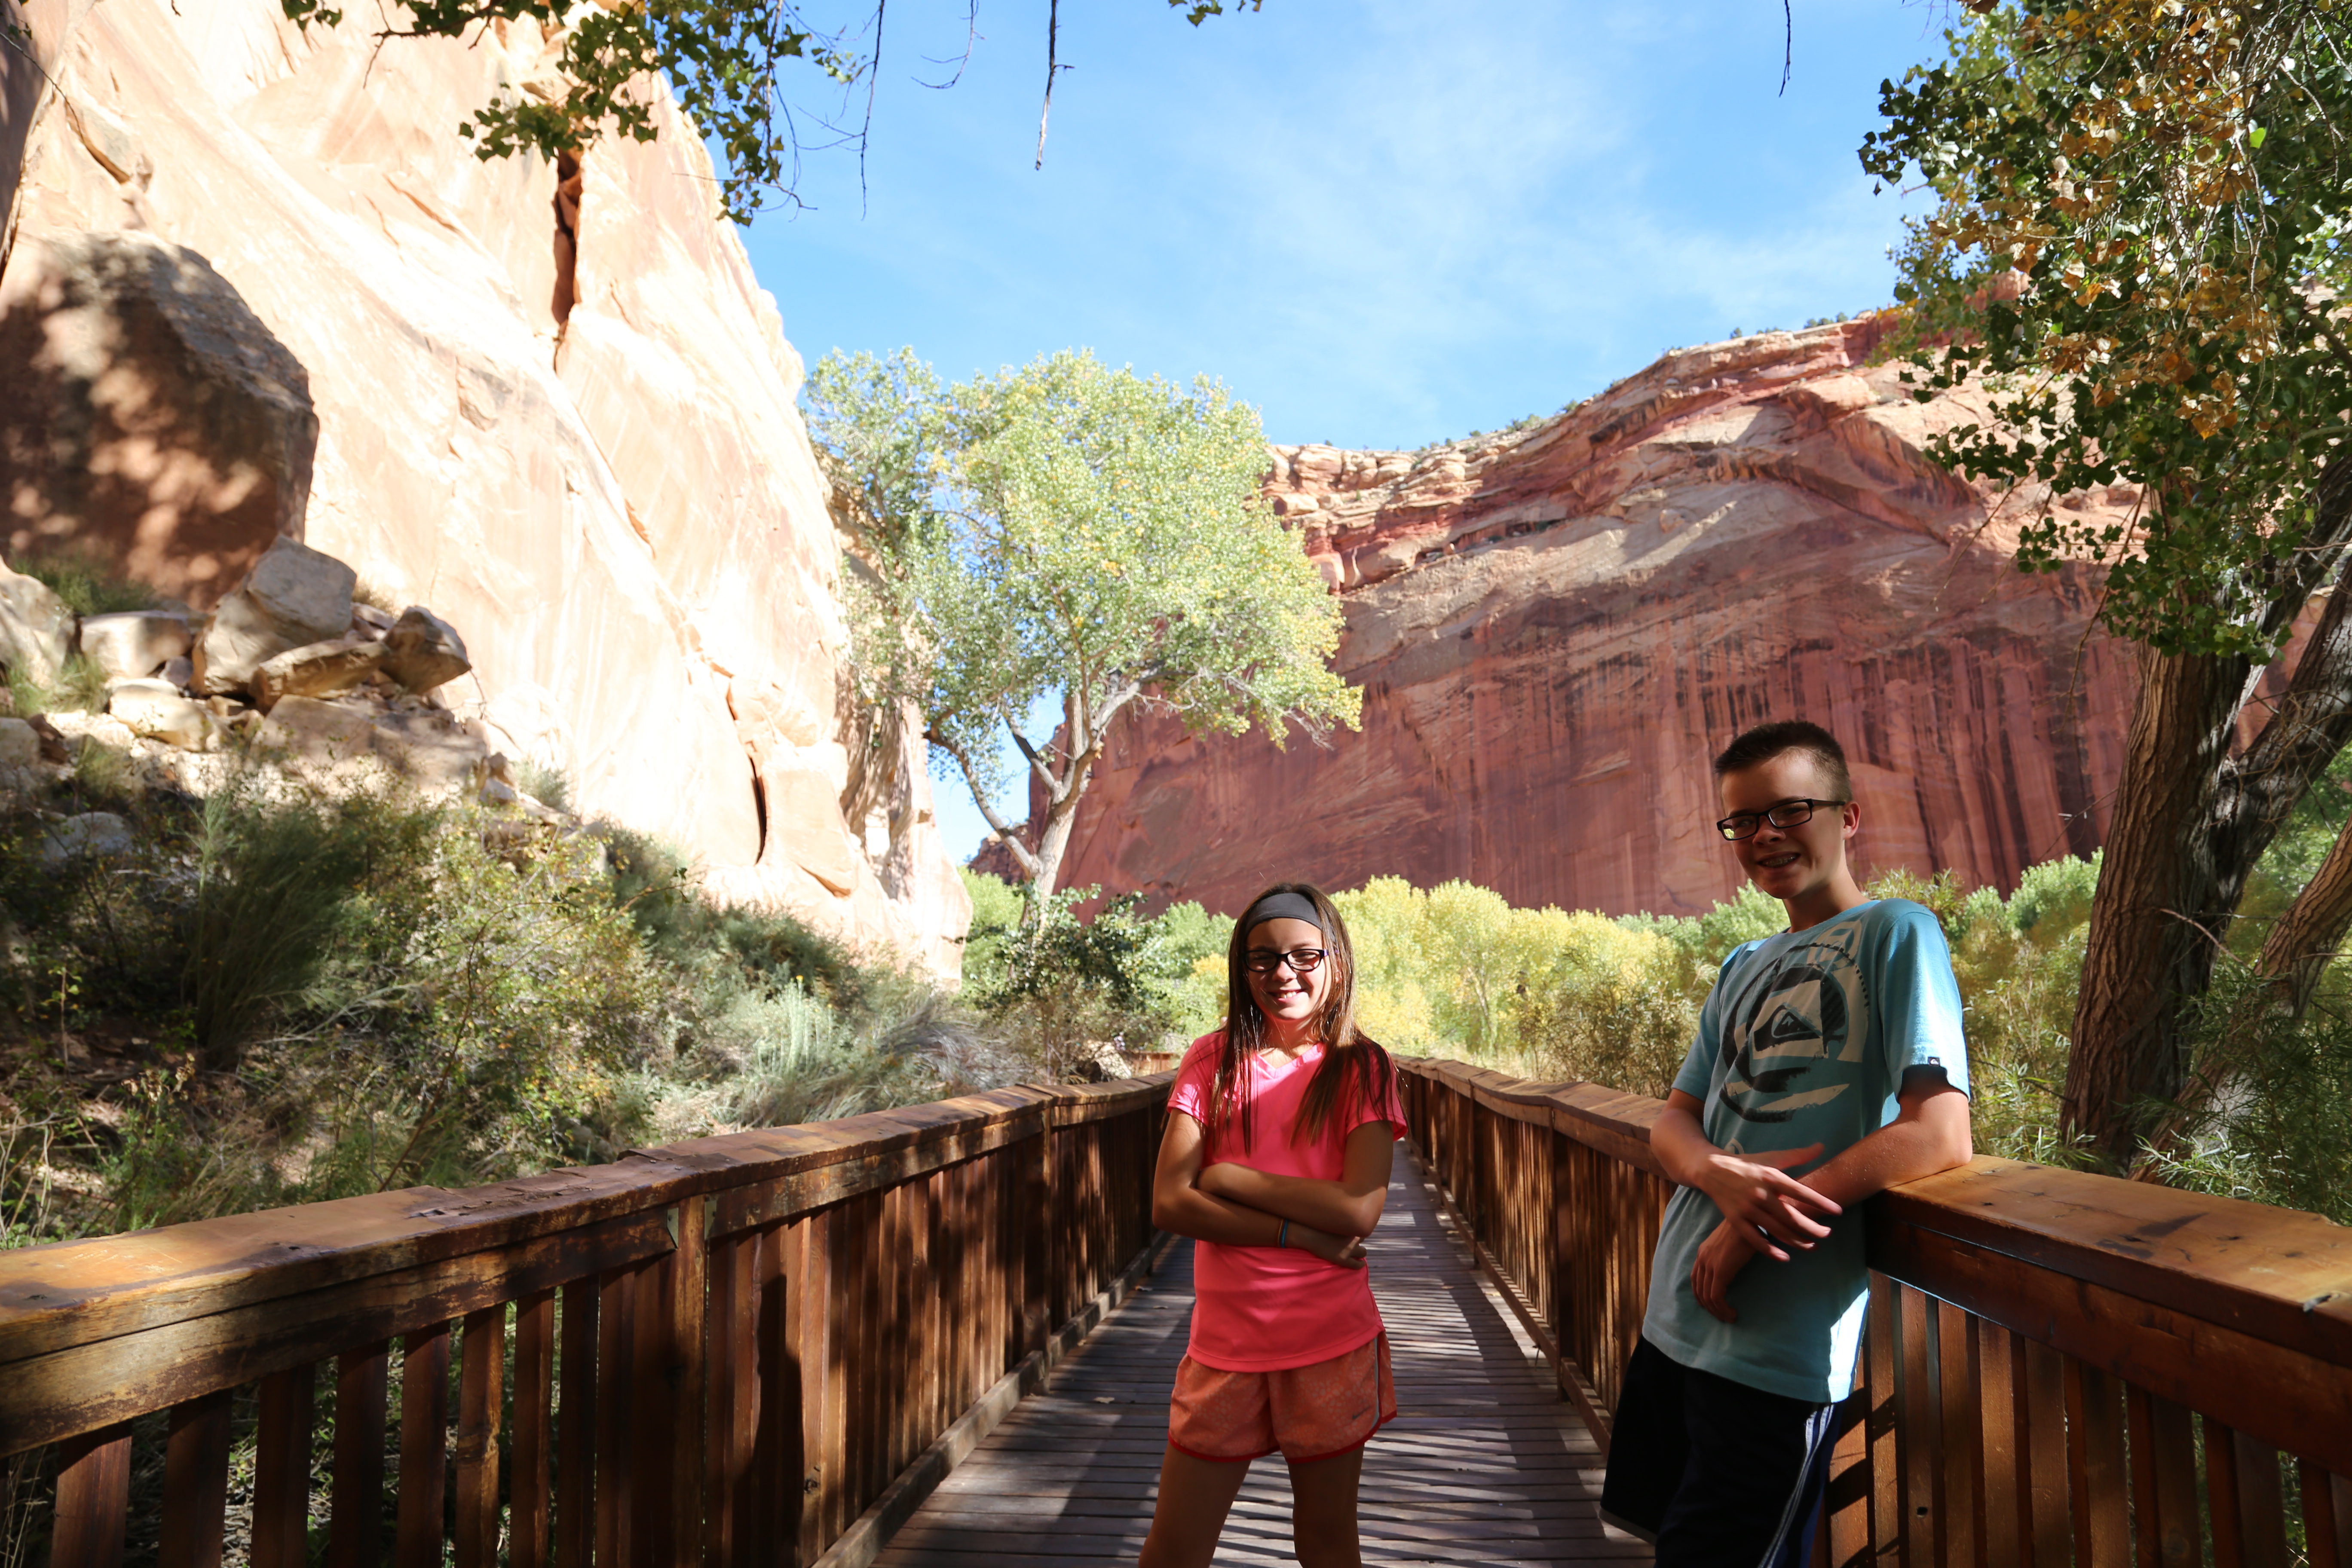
1485, 1463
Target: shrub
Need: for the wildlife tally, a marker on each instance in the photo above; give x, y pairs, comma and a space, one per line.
89, 586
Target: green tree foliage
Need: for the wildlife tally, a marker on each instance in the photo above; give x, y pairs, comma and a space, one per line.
1071, 534
2137, 269
2138, 258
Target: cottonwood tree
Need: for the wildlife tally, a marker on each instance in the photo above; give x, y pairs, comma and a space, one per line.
723, 58
1069, 533
2137, 262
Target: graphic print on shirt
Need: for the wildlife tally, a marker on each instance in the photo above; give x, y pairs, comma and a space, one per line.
1788, 1042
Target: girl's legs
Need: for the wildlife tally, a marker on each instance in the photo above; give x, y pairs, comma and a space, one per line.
1323, 1510
1195, 1495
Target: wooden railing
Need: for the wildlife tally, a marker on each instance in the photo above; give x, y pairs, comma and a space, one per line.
2059, 1368
722, 1351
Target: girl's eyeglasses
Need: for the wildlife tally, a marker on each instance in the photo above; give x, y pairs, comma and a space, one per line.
1302, 961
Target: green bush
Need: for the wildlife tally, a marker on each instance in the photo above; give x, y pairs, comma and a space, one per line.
89, 586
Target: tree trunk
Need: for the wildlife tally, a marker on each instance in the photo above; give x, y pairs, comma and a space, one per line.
2164, 898
2190, 820
2311, 931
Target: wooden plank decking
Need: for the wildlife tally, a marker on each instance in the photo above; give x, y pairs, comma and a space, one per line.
1484, 1463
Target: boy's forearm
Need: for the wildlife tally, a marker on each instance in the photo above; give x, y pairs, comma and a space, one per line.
1897, 1153
1681, 1145
1327, 1206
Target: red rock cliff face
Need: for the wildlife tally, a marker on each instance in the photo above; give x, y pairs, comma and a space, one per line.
1554, 630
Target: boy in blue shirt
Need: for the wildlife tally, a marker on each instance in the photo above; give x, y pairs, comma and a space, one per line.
1829, 1065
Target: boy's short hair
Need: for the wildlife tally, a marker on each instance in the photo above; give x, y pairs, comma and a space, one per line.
1765, 742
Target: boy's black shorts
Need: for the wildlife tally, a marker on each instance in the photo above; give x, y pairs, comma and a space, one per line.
1717, 1474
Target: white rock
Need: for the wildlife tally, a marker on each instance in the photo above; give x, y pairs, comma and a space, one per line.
133, 644
421, 650
315, 670
35, 627
95, 833
155, 709
294, 595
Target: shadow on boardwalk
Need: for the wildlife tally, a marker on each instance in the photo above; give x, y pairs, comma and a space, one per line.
1484, 1463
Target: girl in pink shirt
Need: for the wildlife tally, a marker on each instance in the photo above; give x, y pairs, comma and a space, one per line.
1280, 1130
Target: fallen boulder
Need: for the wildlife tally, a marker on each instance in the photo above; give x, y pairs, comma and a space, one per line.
20, 744
35, 627
421, 650
315, 670
99, 834
156, 710
294, 595
131, 645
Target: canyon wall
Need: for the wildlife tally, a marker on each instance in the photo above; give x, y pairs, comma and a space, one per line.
1555, 628
256, 283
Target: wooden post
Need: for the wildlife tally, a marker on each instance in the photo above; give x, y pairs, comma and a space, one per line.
424, 1446
93, 1505
195, 1480
576, 1427
355, 1502
1032, 1208
481, 1396
534, 1389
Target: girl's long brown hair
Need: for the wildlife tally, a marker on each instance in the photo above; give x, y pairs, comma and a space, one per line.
1353, 1060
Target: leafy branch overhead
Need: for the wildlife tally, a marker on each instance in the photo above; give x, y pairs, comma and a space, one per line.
722, 58
1071, 536
2141, 253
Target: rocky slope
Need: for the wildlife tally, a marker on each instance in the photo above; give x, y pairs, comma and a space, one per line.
257, 286
1554, 628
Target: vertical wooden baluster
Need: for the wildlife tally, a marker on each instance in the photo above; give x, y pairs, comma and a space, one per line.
1961, 1435
2182, 1537
730, 1359
819, 1405
1994, 1349
1844, 1536
2146, 1518
2094, 1468
846, 1238
576, 1427
1919, 1434
2258, 1530
355, 1499
195, 1482
673, 1294
767, 1500
1879, 1348
1566, 1325
424, 1447
2042, 1455
2327, 1516
899, 1363
481, 1397
2222, 1494
617, 1343
93, 1506
534, 1389
1032, 1214
281, 1469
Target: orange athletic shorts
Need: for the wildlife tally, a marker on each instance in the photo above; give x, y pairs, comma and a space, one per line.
1306, 1413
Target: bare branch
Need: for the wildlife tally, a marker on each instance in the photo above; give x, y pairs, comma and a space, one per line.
1021, 855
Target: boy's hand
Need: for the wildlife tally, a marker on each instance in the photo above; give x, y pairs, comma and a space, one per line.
1756, 1193
1721, 1257
1347, 1251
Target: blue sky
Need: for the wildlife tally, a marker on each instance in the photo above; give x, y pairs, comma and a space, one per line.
1384, 222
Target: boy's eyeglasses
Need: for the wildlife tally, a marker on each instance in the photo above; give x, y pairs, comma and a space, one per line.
1786, 813
1302, 961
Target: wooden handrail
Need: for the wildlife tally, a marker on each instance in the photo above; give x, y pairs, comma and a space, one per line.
722, 1350
2059, 1367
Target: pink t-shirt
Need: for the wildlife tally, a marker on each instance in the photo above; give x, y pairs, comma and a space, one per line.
1263, 1308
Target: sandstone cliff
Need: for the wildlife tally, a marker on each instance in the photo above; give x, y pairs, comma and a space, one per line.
1554, 627
258, 285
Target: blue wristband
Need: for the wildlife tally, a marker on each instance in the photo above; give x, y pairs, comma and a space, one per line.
1282, 1237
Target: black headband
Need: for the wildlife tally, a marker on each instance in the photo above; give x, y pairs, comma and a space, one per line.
1282, 907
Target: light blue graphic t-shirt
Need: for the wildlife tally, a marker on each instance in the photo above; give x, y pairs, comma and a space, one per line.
1804, 1039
